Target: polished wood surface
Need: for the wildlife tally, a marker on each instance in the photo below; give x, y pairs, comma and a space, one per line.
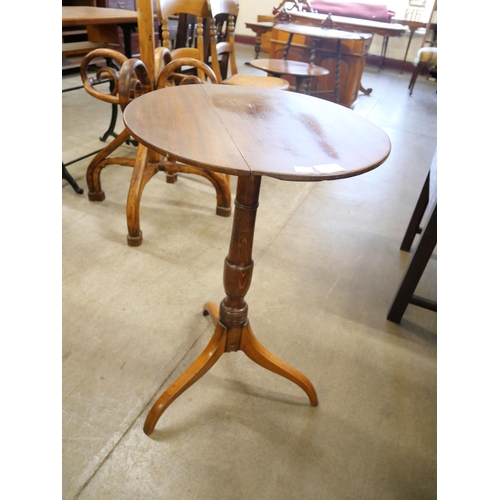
250, 133
78, 16
285, 67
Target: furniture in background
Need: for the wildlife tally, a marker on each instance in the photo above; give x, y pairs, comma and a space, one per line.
261, 29
355, 10
427, 202
294, 70
100, 31
130, 38
342, 53
426, 56
413, 26
225, 117
224, 13
327, 48
136, 77
374, 25
289, 68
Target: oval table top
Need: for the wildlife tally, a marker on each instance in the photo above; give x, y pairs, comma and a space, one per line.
254, 131
289, 67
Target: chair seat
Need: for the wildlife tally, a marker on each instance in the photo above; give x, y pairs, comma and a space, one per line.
426, 55
269, 82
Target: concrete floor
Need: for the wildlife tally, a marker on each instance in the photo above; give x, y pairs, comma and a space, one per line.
327, 264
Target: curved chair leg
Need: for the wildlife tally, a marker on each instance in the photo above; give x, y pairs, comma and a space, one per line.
212, 352
95, 192
258, 353
223, 193
142, 173
219, 182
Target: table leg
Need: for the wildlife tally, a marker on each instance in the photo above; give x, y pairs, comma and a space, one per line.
337, 71
407, 48
127, 39
312, 57
68, 177
232, 327
257, 45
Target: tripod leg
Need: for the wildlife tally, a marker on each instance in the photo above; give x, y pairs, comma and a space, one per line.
258, 353
198, 368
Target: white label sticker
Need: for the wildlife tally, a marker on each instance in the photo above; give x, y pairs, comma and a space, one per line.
304, 170
329, 168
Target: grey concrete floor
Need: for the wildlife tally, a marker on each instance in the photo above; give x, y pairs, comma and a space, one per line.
327, 265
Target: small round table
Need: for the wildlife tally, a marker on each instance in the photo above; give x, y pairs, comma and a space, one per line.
316, 34
250, 133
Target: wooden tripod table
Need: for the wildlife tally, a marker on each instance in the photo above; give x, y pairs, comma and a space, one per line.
250, 133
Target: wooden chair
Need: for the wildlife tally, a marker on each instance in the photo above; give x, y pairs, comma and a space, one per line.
222, 55
193, 16
426, 56
405, 295
132, 80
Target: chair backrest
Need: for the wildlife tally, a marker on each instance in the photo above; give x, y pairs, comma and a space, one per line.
186, 8
224, 13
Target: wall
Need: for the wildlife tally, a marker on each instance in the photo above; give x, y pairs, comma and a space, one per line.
250, 9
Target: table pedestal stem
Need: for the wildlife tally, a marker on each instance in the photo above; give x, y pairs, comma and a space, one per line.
232, 327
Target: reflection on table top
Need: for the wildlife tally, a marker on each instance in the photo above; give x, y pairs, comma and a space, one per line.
250, 131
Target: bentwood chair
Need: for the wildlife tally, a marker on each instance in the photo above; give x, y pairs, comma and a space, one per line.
223, 58
131, 80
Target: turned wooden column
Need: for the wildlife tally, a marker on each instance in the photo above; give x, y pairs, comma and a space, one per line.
238, 265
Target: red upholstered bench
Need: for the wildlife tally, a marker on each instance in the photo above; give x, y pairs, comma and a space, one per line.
358, 10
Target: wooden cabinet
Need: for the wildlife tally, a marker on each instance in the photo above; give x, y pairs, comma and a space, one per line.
352, 62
